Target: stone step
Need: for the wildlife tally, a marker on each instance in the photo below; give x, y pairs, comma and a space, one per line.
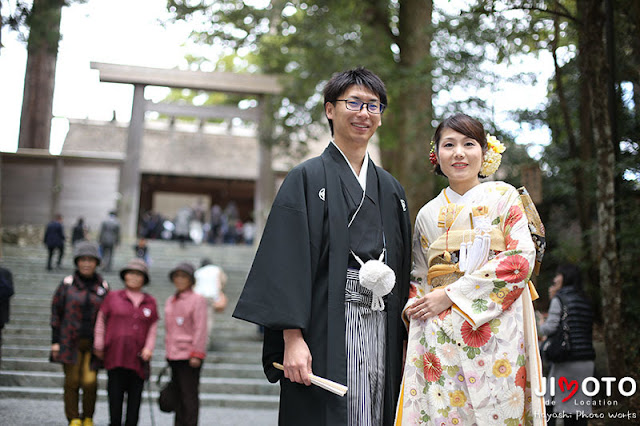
228, 370
220, 385
206, 399
227, 357
232, 374
219, 344
44, 333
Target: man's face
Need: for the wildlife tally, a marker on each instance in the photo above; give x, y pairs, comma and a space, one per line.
353, 128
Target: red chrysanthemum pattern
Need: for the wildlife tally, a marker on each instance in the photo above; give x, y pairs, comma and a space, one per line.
521, 377
413, 290
510, 243
442, 315
513, 269
475, 337
514, 215
511, 297
432, 367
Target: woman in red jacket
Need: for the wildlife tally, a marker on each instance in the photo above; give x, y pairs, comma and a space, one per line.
185, 315
125, 336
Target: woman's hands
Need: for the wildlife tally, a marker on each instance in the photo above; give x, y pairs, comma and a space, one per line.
55, 351
146, 354
430, 305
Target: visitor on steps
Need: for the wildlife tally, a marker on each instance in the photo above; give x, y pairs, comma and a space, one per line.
54, 240
125, 336
6, 291
74, 308
185, 316
210, 280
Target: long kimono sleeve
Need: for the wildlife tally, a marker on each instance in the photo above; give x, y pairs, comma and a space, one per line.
277, 293
418, 284
484, 294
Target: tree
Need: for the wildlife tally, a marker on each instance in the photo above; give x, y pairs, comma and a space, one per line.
44, 25
591, 151
42, 21
310, 40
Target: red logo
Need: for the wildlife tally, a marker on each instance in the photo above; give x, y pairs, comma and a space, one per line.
569, 386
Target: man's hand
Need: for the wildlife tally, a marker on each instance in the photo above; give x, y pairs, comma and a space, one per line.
430, 305
99, 354
297, 357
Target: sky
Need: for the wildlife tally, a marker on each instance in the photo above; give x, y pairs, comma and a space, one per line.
99, 31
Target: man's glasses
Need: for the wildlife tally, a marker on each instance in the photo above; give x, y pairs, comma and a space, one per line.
356, 105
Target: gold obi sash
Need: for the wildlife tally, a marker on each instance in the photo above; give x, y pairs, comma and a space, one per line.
443, 271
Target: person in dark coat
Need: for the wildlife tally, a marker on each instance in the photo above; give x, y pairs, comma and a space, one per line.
331, 213
54, 240
79, 231
74, 309
109, 238
6, 291
566, 292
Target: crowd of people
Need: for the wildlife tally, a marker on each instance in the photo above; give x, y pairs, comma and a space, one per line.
192, 223
94, 326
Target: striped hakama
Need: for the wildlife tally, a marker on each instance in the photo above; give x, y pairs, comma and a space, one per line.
365, 346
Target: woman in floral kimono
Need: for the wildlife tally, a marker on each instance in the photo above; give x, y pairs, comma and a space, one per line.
472, 356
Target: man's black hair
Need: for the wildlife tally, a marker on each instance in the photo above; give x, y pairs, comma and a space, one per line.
360, 76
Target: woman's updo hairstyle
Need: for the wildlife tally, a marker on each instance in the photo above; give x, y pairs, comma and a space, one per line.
461, 123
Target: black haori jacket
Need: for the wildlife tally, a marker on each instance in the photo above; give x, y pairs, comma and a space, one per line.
297, 281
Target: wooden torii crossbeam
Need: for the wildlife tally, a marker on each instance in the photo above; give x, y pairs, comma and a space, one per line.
249, 84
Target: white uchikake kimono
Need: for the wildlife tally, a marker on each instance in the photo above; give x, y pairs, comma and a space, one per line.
477, 362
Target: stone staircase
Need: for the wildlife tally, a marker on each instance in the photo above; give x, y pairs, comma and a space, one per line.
232, 374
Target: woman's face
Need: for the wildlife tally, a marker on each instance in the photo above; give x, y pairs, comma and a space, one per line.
182, 281
87, 265
134, 280
460, 158
557, 285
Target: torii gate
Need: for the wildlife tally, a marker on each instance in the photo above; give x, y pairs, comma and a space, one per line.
249, 84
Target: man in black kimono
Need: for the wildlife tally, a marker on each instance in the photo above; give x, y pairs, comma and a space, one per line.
304, 285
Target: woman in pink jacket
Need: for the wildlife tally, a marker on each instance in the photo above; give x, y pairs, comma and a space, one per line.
185, 341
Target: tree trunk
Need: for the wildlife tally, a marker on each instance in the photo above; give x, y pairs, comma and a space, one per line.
412, 124
593, 31
581, 195
39, 79
586, 158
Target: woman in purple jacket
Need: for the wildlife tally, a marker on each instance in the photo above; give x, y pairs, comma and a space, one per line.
185, 315
125, 336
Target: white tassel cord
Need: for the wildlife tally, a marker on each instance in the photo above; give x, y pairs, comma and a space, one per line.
376, 276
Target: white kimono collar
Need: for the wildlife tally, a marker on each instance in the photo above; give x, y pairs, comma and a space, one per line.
362, 178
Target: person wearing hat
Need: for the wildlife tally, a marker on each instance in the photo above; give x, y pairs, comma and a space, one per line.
185, 316
125, 335
74, 308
